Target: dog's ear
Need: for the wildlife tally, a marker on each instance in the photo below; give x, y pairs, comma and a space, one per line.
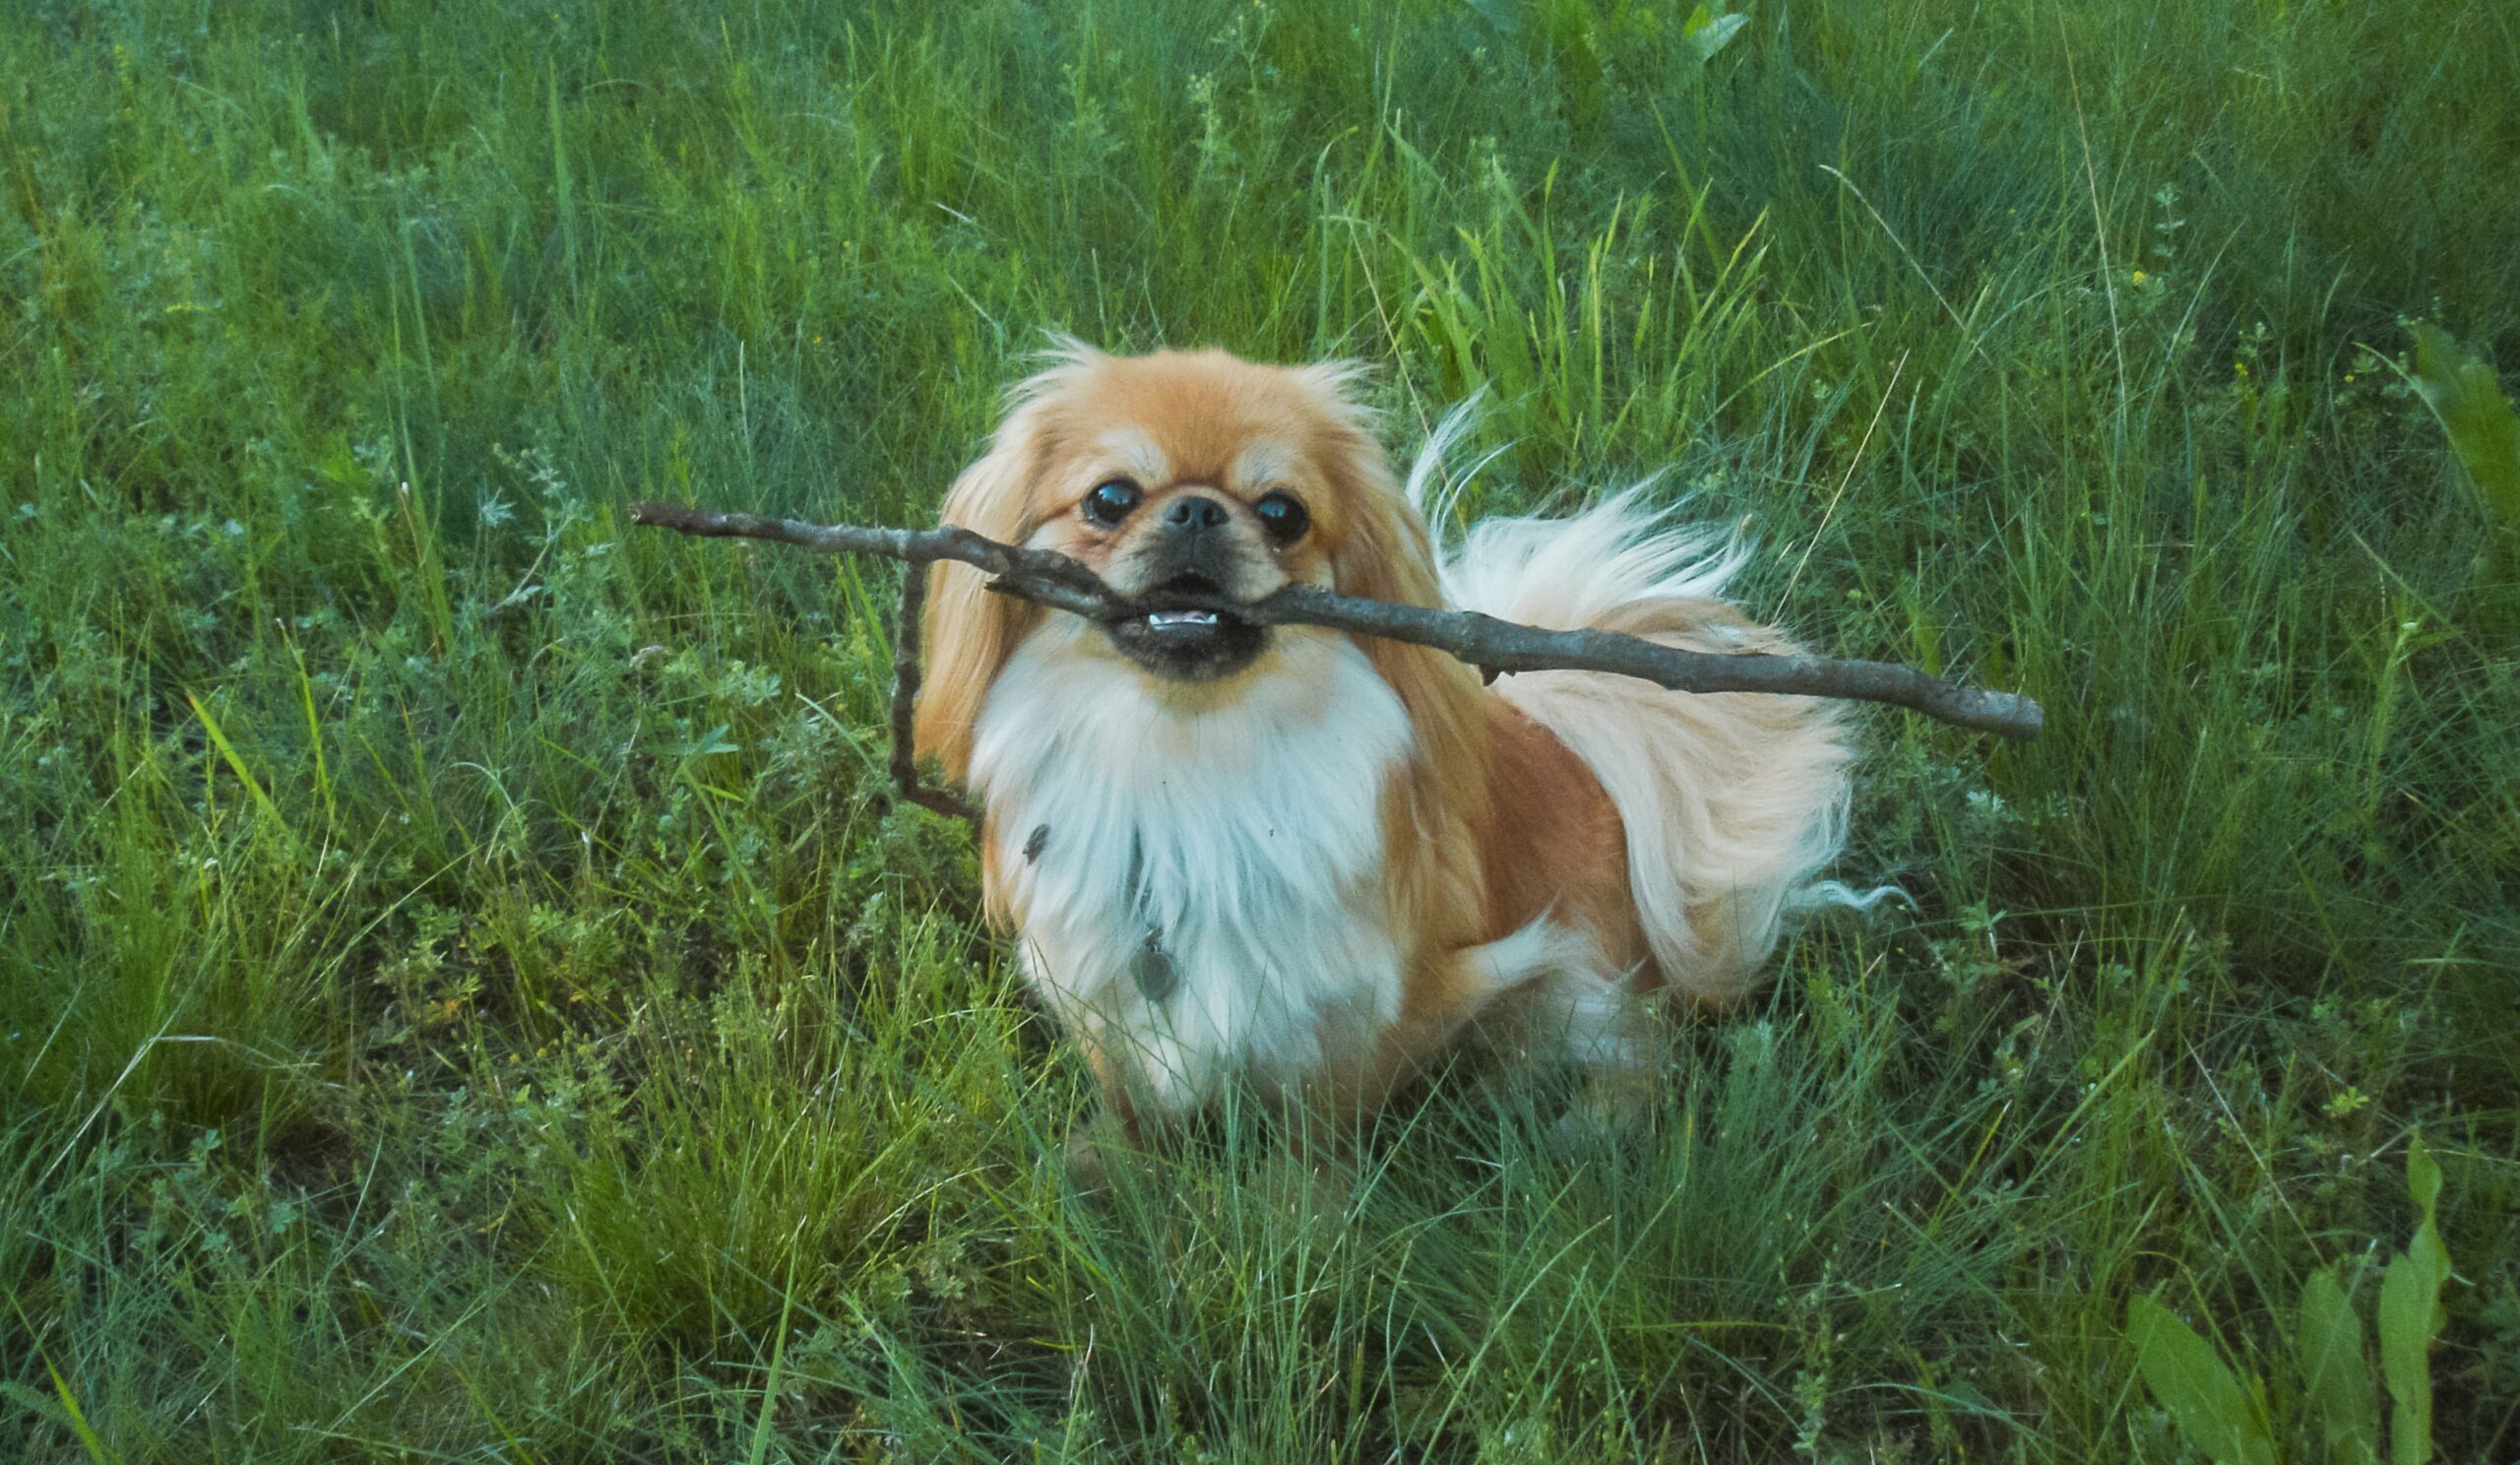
969, 632
1384, 553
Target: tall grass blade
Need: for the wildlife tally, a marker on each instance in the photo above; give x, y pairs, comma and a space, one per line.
236, 765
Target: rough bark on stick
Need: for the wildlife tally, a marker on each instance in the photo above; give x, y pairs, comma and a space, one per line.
905, 695
1482, 641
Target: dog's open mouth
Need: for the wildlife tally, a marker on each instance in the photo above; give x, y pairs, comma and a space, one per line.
1188, 643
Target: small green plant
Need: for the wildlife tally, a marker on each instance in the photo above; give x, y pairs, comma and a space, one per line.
2334, 1411
2484, 431
2485, 434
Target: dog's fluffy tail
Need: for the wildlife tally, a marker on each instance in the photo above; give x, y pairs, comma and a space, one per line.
1732, 803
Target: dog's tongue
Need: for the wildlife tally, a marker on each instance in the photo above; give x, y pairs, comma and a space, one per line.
1168, 620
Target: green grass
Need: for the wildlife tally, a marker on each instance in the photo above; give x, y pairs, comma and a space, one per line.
462, 992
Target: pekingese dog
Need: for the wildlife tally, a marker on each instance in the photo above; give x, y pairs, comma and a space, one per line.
1304, 860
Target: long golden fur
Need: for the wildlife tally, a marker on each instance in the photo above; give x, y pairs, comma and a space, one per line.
1296, 859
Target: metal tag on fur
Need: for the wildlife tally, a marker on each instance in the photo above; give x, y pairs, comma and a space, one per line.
1153, 968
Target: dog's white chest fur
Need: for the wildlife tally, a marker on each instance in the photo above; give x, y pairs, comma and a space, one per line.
1243, 842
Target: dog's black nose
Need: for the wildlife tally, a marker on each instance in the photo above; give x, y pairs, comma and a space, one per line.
1193, 512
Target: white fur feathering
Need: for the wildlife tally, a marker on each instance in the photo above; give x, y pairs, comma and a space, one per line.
1733, 804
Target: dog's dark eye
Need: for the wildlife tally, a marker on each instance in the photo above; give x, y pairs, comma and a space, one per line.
1283, 516
1111, 502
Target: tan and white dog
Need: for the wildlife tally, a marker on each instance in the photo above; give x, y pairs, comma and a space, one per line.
1290, 858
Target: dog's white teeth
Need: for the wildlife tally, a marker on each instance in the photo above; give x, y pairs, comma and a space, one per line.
1164, 620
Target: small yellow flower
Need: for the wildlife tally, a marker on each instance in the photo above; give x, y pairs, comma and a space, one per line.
2141, 276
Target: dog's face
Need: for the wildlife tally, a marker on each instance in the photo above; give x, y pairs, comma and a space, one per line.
1201, 475
1193, 472
1198, 474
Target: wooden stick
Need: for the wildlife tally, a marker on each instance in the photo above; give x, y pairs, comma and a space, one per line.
905, 696
1492, 645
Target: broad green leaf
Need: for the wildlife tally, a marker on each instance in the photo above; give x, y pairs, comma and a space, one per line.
1506, 15
2204, 1397
1708, 33
2482, 430
2423, 1178
708, 743
2335, 1378
2411, 1317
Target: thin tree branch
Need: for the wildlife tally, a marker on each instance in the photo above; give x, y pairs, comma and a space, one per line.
904, 695
1492, 645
